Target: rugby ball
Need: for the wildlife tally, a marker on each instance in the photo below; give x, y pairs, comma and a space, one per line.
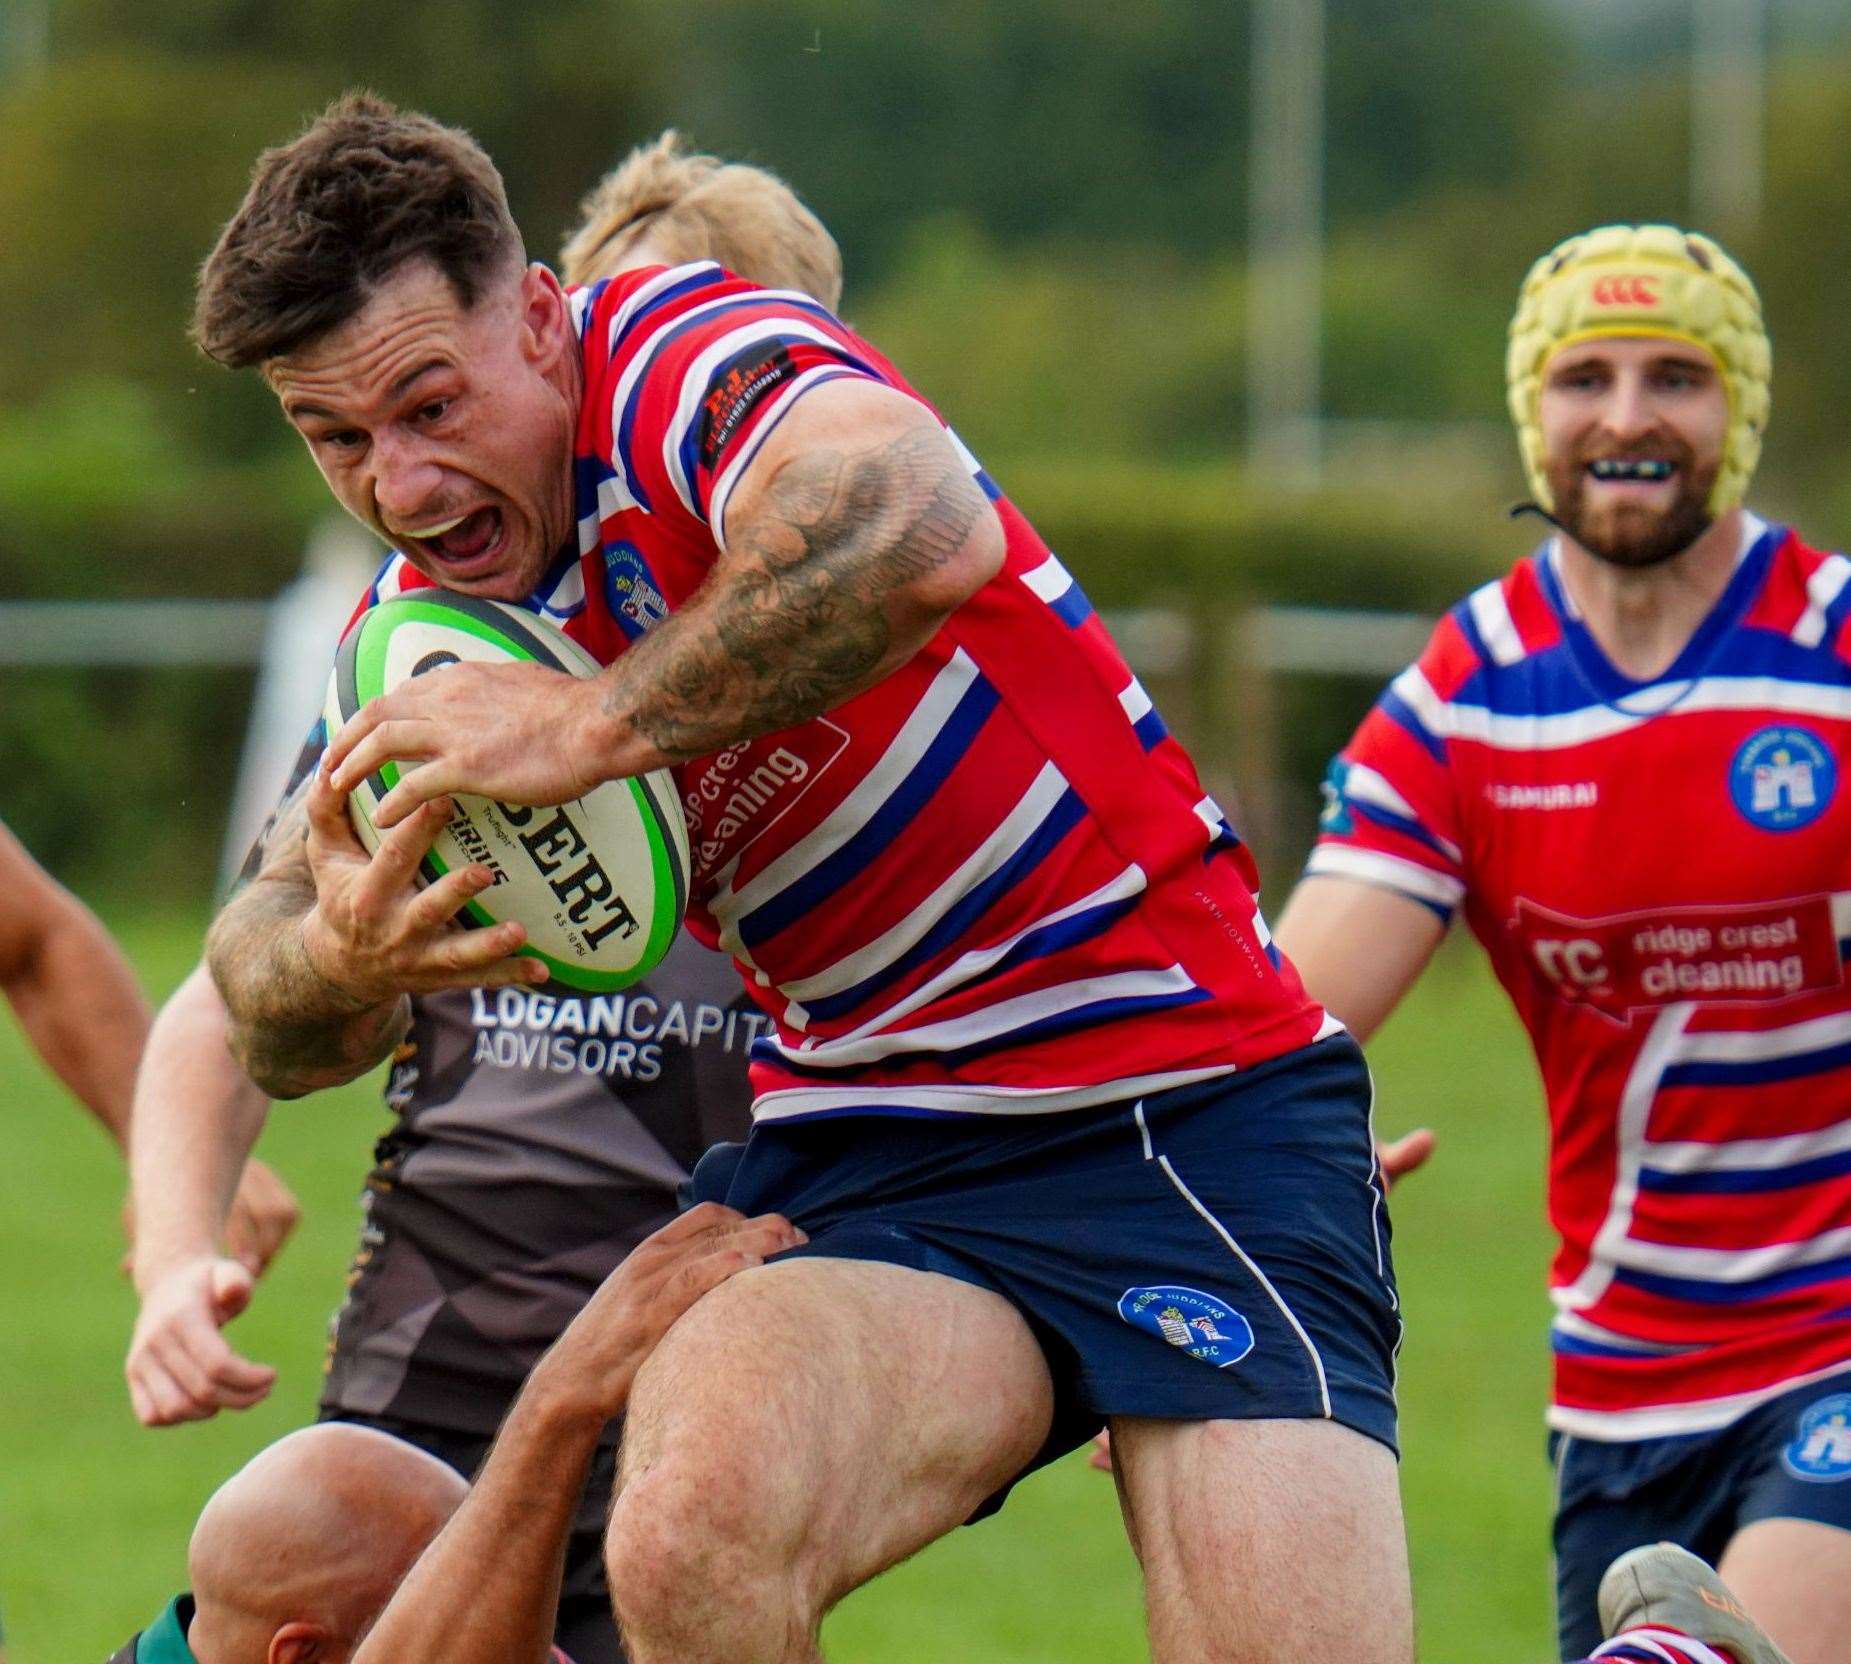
600, 883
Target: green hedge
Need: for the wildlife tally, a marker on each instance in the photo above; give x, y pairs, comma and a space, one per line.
1143, 536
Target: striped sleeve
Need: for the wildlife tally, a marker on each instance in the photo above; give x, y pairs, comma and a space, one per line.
1390, 808
697, 395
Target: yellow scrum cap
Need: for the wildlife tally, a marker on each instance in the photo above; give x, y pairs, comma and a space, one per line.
1644, 280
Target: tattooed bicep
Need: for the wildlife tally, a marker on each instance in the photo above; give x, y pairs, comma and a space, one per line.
855, 532
861, 478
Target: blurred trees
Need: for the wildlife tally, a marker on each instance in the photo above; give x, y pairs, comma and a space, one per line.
1077, 164
1036, 201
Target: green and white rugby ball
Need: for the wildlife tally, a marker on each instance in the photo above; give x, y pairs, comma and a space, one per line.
600, 883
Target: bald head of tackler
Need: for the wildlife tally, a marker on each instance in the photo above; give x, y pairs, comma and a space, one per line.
1650, 280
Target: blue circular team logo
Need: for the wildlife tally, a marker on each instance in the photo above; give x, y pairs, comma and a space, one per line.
1783, 778
1336, 817
1821, 1448
1191, 1321
629, 587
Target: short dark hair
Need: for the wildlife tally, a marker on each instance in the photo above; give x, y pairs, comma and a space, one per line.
330, 216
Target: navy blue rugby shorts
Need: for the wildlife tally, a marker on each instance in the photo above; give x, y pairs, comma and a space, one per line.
1219, 1251
1789, 1458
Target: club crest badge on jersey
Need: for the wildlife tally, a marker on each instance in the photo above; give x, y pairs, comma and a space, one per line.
1821, 1448
1189, 1320
1782, 778
631, 590
1335, 816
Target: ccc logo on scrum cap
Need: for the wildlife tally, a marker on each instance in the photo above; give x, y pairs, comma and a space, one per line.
1626, 291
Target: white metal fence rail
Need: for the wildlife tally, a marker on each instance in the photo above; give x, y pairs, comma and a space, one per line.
1333, 641
287, 642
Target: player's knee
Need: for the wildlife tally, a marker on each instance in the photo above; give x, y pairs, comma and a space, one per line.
644, 1564
688, 1540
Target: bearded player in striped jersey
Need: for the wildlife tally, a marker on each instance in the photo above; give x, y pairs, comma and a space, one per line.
1067, 1138
1625, 762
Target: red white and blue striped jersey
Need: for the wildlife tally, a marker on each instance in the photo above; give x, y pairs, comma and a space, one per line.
990, 884
1661, 873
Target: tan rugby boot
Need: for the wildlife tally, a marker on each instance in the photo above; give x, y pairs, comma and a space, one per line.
1664, 1586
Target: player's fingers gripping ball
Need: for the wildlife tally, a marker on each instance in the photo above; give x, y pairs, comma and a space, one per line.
600, 883
1651, 280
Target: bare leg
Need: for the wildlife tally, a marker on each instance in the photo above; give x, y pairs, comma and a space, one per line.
1794, 1577
805, 1426
1266, 1541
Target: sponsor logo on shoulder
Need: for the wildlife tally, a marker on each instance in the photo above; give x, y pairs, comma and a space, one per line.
1189, 1320
1782, 778
736, 391
635, 598
1821, 1447
1563, 794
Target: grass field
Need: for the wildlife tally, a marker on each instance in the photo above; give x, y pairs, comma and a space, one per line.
94, 1511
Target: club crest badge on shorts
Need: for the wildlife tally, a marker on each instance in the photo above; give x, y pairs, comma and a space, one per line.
1189, 1320
1821, 1448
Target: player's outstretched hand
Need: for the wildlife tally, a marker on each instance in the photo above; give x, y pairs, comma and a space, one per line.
594, 1362
264, 1214
1404, 1155
374, 933
518, 733
180, 1368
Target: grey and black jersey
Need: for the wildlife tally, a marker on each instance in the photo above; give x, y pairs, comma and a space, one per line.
536, 1138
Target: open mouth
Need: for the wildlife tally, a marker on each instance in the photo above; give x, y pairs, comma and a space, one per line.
464, 545
1648, 470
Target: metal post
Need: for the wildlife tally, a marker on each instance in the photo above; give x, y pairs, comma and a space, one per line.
1728, 100
1285, 241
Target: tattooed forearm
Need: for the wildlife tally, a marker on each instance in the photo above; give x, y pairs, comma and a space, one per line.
291, 1030
828, 586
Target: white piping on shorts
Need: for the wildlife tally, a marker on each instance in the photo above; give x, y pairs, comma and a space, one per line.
1378, 1184
1239, 1253
1379, 1187
1561, 1476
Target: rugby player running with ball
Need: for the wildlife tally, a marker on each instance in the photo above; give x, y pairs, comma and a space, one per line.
1625, 761
1067, 1138
536, 1136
